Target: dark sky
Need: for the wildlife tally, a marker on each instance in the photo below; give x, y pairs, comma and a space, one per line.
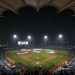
46, 21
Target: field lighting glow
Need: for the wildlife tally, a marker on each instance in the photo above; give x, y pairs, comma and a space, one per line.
26, 42
45, 37
60, 36
29, 37
14, 36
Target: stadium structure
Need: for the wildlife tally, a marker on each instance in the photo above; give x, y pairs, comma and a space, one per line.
15, 5
47, 59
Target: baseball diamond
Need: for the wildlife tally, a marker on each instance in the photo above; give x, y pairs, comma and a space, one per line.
45, 58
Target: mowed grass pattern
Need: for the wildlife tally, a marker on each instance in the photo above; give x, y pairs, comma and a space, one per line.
61, 55
39, 57
20, 60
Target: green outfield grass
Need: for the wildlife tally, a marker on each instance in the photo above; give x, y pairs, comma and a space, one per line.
39, 57
61, 55
20, 60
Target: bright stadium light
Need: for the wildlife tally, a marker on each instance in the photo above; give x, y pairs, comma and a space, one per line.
15, 36
60, 36
15, 39
45, 37
22, 42
26, 43
19, 42
29, 37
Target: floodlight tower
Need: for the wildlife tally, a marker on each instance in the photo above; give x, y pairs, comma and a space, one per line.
29, 37
45, 37
60, 39
60, 36
45, 40
15, 38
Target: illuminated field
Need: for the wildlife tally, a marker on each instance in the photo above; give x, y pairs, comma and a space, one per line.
44, 57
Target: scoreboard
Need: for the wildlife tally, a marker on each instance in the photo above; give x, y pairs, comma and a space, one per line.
22, 42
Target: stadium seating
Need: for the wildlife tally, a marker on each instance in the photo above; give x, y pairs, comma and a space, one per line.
6, 68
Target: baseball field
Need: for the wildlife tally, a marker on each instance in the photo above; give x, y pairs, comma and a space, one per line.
37, 57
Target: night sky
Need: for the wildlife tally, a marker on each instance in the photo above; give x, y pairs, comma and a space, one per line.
46, 21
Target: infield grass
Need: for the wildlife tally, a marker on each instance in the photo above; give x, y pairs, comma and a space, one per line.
38, 57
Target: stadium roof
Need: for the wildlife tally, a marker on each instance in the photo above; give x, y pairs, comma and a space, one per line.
15, 5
